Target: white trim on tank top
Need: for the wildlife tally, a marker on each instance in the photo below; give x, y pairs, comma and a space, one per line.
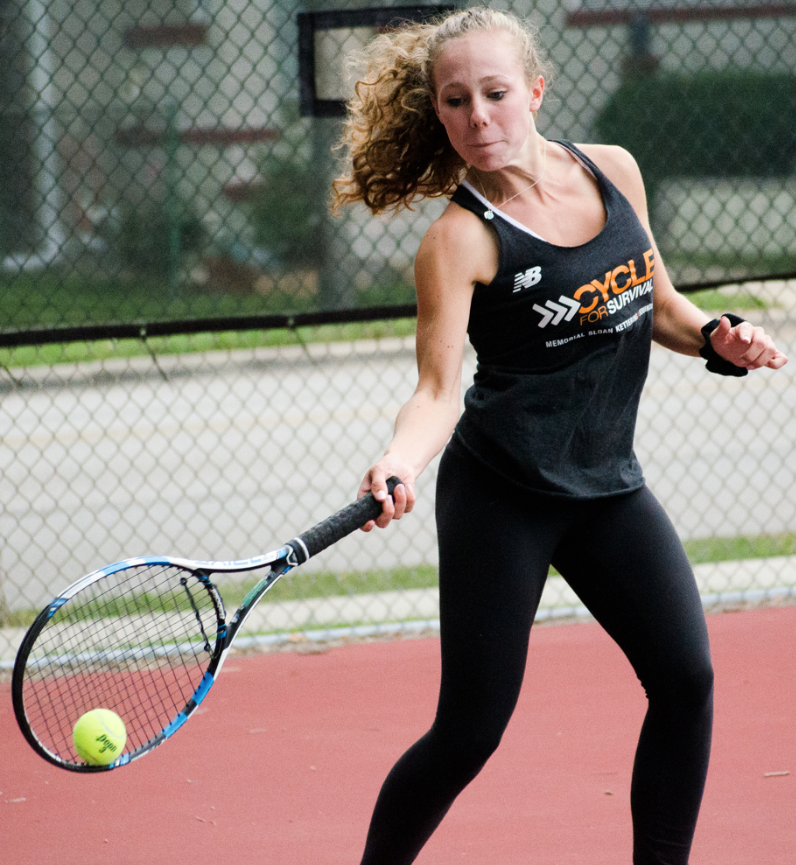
470, 188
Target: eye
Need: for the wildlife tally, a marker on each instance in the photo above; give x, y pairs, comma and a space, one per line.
496, 95
454, 101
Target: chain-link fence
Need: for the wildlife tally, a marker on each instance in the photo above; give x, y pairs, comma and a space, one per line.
222, 453
156, 168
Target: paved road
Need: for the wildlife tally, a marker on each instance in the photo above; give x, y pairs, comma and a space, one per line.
226, 455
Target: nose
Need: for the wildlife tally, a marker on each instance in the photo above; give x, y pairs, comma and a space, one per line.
479, 116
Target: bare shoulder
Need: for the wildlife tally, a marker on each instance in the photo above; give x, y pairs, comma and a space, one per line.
458, 247
622, 170
614, 161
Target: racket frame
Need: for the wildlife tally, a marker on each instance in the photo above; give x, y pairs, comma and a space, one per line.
280, 561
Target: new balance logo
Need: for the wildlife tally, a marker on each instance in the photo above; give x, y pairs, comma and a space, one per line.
554, 312
527, 279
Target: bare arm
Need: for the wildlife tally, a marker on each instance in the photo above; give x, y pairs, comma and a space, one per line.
456, 253
678, 322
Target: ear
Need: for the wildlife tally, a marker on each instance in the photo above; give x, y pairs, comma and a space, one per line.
537, 94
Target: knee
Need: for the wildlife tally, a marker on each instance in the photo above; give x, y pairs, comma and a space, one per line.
466, 748
686, 683
696, 687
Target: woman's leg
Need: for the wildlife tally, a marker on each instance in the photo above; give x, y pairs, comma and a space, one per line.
626, 563
495, 550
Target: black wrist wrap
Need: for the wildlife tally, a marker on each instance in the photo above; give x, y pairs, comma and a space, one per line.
715, 362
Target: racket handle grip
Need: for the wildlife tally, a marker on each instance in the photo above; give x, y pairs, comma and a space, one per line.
337, 526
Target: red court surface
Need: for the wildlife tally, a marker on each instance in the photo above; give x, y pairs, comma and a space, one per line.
284, 763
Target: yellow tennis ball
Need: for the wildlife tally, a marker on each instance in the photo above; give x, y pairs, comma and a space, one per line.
99, 737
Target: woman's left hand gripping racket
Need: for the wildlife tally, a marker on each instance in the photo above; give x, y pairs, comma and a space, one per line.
145, 638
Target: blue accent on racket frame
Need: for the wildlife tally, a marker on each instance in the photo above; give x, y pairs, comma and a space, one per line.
175, 725
199, 695
55, 606
204, 687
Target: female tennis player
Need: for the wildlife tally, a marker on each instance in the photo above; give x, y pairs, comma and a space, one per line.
545, 257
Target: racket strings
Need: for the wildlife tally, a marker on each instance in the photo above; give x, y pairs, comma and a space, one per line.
137, 641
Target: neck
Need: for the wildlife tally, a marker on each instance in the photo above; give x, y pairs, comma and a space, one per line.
505, 184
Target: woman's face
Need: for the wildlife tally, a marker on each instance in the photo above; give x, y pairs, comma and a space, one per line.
483, 99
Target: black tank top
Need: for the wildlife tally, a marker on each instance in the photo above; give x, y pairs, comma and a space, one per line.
562, 336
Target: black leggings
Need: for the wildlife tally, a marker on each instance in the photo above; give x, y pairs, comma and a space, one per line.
623, 558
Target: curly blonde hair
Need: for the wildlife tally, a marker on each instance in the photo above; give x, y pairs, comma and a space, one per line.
398, 148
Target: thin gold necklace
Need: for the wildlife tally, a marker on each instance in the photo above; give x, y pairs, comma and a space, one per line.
489, 213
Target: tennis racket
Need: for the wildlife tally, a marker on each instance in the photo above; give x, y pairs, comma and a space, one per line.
146, 638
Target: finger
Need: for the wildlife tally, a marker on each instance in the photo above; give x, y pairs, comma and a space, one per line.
721, 332
771, 358
755, 358
375, 481
410, 497
384, 518
778, 361
378, 485
744, 332
761, 350
399, 497
406, 497
394, 506
387, 513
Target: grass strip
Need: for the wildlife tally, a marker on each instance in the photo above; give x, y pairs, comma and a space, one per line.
101, 350
329, 584
322, 584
